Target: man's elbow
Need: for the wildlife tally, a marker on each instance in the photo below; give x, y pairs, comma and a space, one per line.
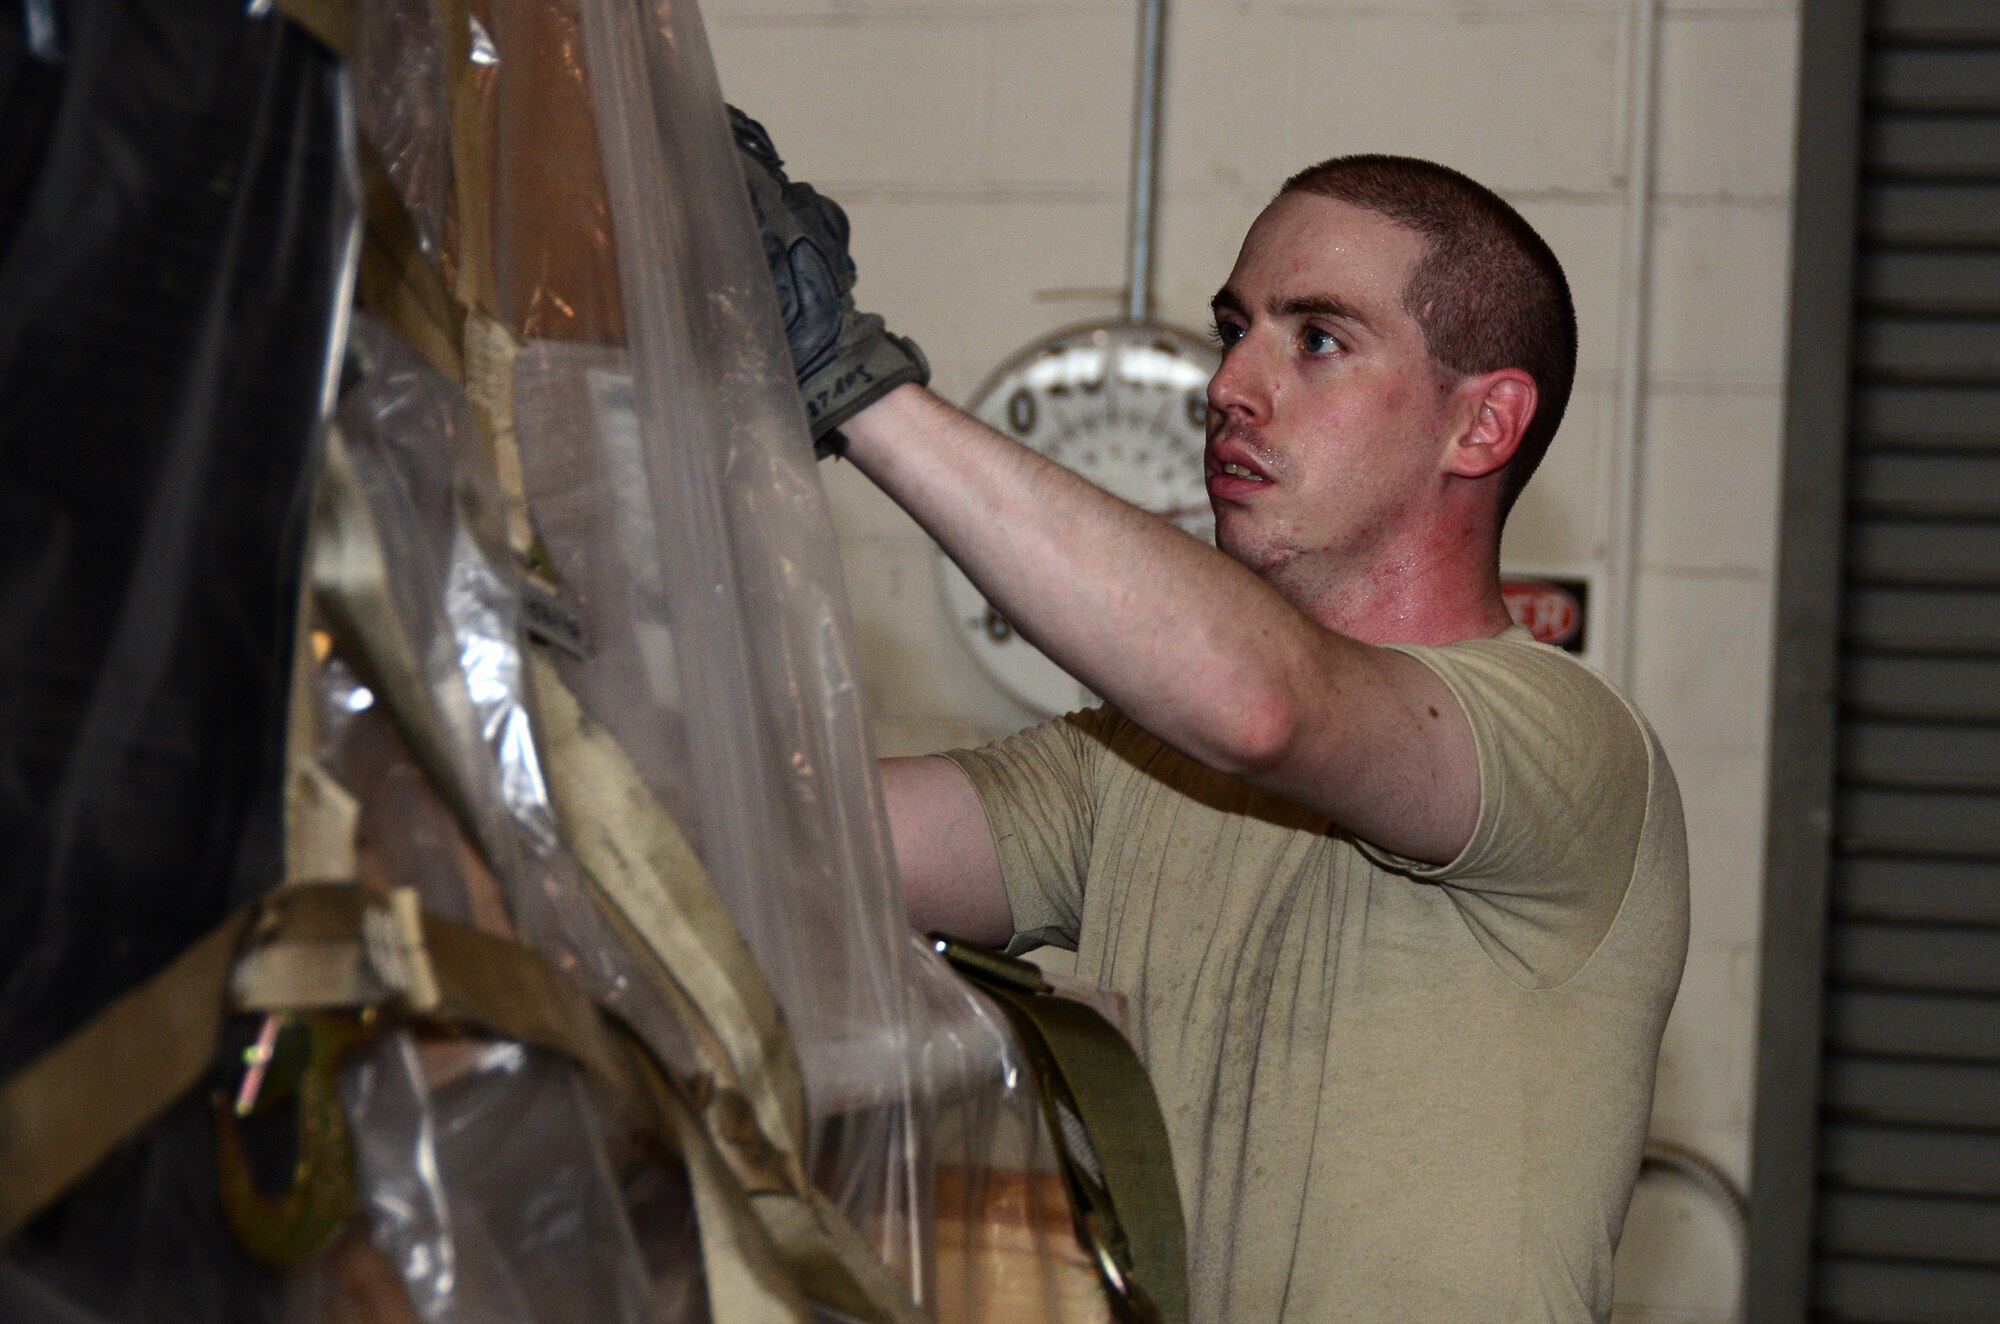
1257, 736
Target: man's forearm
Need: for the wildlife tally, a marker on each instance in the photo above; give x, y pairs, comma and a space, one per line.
1185, 641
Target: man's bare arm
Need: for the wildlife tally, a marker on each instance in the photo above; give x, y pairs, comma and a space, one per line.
1184, 640
945, 852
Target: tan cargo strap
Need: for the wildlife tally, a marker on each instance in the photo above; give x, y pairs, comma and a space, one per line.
58, 1118
1109, 1135
471, 161
350, 581
652, 878
319, 948
64, 1112
398, 283
332, 21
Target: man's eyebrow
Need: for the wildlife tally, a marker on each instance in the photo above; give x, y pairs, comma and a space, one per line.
1322, 305
1305, 305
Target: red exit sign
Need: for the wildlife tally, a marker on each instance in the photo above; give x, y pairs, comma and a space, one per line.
1552, 609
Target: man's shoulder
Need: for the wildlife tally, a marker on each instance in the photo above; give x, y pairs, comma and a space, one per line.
1578, 805
1556, 693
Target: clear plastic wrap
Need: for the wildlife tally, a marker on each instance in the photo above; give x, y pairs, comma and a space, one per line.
489, 1182
788, 826
672, 482
632, 463
556, 256
489, 1190
402, 106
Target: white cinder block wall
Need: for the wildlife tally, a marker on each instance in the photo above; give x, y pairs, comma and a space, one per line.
981, 148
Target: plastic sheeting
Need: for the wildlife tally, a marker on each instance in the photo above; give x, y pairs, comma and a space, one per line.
653, 503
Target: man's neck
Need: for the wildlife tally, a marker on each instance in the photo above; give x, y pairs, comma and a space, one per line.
1433, 591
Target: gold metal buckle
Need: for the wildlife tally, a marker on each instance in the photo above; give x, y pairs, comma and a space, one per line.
293, 1064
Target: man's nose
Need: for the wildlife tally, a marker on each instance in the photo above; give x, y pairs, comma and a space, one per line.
1240, 388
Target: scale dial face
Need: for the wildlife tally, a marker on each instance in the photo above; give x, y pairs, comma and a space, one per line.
1124, 405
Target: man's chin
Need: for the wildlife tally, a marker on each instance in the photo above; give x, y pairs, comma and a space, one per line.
1254, 553
1232, 543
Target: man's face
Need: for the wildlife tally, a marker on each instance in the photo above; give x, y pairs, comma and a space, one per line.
1327, 416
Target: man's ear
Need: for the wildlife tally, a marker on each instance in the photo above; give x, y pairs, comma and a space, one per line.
1502, 405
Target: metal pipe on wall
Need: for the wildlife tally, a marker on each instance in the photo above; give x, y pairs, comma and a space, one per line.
1626, 473
1145, 161
1635, 308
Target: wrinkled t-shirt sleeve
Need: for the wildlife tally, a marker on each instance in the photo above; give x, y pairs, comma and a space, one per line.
1564, 773
1038, 790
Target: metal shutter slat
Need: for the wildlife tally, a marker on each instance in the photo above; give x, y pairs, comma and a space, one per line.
1933, 20
1875, 887
1910, 1227
1934, 958
1915, 1159
1904, 755
1951, 1028
1929, 213
1927, 823
1935, 79
1926, 483
1965, 417
1965, 688
1936, 553
1914, 1091
1957, 147
1906, 620
1888, 1292
1950, 280
1929, 349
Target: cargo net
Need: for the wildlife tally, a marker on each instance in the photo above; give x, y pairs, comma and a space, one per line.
421, 527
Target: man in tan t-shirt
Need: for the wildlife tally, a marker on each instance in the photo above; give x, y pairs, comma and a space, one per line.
1398, 896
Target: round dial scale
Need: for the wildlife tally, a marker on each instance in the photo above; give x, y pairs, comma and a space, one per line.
1126, 406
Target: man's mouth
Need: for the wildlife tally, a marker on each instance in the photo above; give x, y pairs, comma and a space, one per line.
1241, 471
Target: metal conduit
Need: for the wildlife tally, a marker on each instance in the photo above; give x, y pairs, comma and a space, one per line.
1145, 162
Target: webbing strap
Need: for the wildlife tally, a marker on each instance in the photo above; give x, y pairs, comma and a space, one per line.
398, 283
302, 946
746, 1277
766, 1253
1120, 1171
647, 871
332, 21
350, 578
61, 1115
835, 1264
471, 161
320, 814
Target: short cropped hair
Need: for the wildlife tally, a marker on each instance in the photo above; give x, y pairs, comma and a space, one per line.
1489, 293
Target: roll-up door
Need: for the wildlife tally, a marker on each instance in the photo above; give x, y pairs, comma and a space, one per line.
1908, 1198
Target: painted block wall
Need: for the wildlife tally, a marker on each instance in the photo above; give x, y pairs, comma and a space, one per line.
981, 149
